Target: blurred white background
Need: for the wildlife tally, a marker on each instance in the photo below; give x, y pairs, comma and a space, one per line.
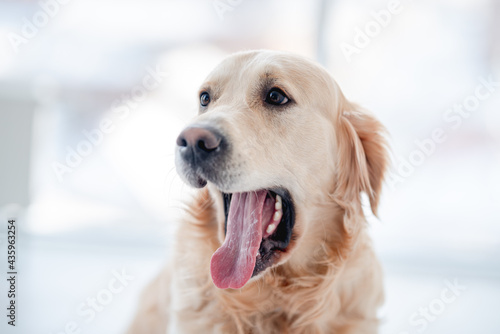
66, 67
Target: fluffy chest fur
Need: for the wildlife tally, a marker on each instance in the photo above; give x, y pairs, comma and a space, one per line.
337, 287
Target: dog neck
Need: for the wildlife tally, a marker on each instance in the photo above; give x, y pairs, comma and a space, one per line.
293, 289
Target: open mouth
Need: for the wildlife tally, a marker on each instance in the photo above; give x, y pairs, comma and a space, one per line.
258, 226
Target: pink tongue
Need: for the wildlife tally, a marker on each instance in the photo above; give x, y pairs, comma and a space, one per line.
233, 263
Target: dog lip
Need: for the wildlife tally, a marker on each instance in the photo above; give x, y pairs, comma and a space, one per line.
195, 180
278, 242
201, 182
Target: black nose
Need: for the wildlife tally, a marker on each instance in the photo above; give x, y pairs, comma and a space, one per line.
197, 143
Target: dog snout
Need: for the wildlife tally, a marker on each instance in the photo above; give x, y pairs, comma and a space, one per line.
198, 143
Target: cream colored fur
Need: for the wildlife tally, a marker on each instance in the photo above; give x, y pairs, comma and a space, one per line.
326, 151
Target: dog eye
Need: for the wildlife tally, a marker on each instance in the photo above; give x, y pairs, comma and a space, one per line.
276, 97
204, 99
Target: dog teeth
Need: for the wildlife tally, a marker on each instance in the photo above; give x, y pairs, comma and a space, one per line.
257, 254
278, 213
270, 228
279, 203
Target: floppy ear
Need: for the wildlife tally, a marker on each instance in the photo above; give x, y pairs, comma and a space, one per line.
362, 156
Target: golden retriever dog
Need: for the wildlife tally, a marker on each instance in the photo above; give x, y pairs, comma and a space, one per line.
275, 240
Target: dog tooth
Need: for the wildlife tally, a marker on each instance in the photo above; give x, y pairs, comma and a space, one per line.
279, 202
277, 216
270, 228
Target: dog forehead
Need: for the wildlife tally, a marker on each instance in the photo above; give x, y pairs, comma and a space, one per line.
260, 67
248, 67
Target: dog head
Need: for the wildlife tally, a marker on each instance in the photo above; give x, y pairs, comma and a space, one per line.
274, 139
